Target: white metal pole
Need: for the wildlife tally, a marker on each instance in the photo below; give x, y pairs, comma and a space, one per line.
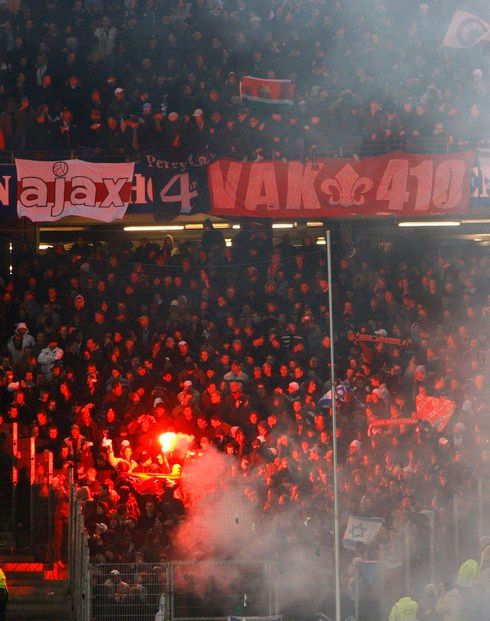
432, 545
334, 436
407, 557
480, 510
356, 600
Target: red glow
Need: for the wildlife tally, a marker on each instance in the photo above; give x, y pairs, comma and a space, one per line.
168, 441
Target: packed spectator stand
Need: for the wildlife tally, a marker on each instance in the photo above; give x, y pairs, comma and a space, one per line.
104, 351
124, 77
105, 348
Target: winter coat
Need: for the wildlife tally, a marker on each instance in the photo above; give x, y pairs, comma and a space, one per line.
48, 357
450, 606
405, 609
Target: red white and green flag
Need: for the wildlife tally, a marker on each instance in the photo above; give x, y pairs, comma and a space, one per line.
267, 91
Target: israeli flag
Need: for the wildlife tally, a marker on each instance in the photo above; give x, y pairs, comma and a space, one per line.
341, 392
361, 529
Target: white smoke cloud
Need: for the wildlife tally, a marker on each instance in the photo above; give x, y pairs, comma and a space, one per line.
226, 520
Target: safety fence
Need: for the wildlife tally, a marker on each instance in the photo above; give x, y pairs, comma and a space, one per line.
181, 590
347, 148
424, 547
78, 554
33, 505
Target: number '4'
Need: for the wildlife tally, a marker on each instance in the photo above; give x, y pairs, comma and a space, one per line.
442, 191
184, 197
393, 185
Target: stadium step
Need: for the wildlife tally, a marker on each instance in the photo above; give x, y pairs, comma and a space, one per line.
38, 591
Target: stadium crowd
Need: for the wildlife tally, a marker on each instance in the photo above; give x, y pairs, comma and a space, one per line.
164, 74
104, 350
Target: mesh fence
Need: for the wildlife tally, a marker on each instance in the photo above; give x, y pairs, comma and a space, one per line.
183, 590
133, 591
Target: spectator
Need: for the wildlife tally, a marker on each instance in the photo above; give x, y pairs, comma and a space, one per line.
177, 101
49, 356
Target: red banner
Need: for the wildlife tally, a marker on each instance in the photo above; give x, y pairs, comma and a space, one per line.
435, 410
398, 184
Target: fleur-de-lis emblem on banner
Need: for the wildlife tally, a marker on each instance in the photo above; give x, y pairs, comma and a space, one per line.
347, 188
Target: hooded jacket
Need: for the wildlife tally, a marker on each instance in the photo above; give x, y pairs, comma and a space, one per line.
405, 609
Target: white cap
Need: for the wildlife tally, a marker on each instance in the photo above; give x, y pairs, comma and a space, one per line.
198, 112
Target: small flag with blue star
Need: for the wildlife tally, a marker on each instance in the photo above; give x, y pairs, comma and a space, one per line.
342, 392
361, 529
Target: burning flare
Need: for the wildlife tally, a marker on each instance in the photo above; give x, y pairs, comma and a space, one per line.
168, 441
171, 441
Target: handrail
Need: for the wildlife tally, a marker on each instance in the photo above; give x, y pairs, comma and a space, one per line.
419, 144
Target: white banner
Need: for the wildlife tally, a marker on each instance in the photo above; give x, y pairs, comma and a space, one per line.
49, 191
466, 30
361, 529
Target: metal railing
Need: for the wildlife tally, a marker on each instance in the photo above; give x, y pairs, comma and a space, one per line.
427, 548
433, 543
347, 148
33, 498
78, 559
177, 591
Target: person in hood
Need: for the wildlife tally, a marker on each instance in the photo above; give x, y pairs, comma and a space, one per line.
23, 331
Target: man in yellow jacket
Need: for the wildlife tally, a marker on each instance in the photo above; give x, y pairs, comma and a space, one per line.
405, 609
4, 595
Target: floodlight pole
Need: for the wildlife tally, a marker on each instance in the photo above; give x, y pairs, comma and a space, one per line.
334, 435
